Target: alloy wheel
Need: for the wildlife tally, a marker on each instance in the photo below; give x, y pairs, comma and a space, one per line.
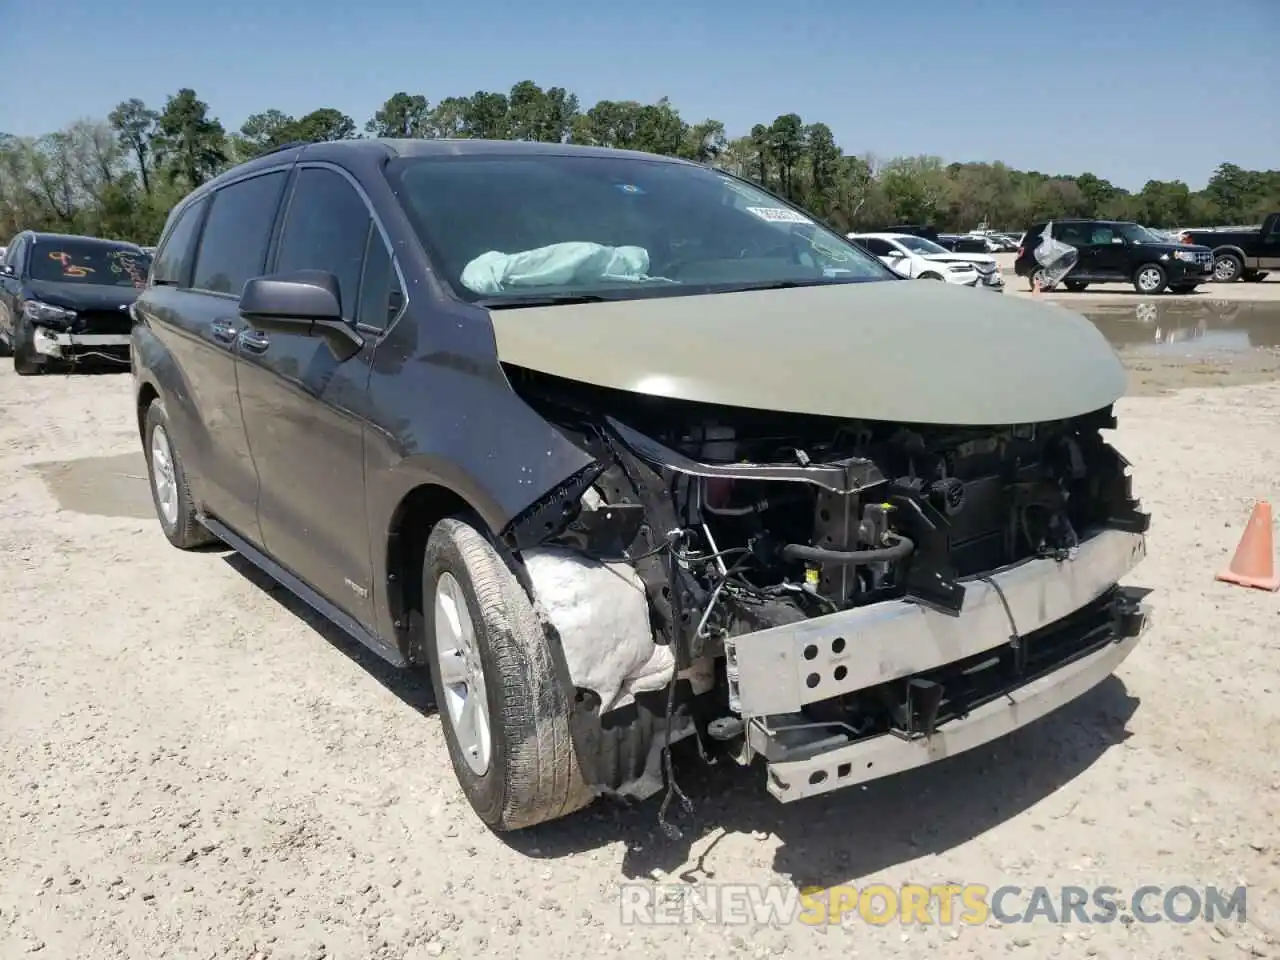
461, 673
163, 477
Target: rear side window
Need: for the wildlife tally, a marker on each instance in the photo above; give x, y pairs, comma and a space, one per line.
1100, 235
325, 229
237, 232
172, 264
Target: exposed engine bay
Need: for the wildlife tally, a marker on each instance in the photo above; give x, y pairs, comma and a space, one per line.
700, 524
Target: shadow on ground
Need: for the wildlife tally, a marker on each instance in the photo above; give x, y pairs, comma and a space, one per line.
413, 687
856, 832
825, 841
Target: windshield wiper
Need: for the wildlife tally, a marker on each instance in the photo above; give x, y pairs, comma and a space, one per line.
543, 300
790, 284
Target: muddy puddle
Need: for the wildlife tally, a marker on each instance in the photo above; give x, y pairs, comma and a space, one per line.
102, 486
1191, 343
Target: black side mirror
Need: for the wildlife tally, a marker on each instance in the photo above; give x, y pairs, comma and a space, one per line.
289, 302
6, 270
307, 302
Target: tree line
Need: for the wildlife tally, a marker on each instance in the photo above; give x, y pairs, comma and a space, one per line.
119, 176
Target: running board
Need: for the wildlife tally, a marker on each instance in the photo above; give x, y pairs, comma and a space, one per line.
306, 594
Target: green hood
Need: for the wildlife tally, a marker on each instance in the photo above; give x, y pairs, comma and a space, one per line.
909, 351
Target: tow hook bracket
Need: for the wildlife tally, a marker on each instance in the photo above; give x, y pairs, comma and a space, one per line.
1128, 615
920, 712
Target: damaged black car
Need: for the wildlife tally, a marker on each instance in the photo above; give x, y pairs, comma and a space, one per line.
626, 450
66, 299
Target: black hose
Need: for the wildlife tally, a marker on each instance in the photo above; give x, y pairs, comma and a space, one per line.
850, 558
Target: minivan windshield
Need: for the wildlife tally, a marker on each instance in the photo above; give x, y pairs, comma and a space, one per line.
552, 228
96, 264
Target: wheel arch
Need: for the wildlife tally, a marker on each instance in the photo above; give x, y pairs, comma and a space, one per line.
1232, 249
147, 395
405, 545
158, 376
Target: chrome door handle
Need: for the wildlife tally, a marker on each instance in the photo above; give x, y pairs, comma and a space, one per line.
254, 340
223, 331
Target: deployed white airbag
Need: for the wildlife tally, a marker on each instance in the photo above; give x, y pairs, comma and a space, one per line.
1056, 258
602, 615
557, 265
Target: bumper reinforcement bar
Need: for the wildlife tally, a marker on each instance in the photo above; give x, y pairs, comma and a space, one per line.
889, 753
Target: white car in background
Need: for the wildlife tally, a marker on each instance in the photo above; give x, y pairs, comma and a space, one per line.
918, 258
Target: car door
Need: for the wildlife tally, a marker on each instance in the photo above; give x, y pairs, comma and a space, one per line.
1076, 234
305, 407
1269, 249
10, 286
195, 314
1111, 252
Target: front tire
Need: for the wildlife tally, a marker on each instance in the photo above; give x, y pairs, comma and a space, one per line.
1149, 278
1227, 268
929, 276
1076, 286
25, 361
169, 491
504, 710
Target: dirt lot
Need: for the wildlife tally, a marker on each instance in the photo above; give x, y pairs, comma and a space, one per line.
192, 767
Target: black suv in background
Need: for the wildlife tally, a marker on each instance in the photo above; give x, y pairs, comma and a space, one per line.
1113, 251
66, 298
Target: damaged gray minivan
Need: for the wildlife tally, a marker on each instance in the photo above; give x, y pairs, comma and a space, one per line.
625, 451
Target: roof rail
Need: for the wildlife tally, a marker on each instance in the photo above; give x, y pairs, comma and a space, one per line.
287, 146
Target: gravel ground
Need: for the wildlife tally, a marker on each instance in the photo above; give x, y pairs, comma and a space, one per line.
191, 766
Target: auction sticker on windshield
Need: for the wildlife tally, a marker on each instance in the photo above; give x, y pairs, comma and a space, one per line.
779, 215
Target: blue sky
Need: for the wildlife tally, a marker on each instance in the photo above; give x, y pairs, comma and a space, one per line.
1130, 90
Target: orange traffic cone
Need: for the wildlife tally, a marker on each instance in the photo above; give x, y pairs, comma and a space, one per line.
1254, 564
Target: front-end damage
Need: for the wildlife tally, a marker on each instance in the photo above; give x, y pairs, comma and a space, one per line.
845, 599
66, 335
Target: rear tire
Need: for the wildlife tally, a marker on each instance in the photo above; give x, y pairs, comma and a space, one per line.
168, 481
484, 641
1149, 279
